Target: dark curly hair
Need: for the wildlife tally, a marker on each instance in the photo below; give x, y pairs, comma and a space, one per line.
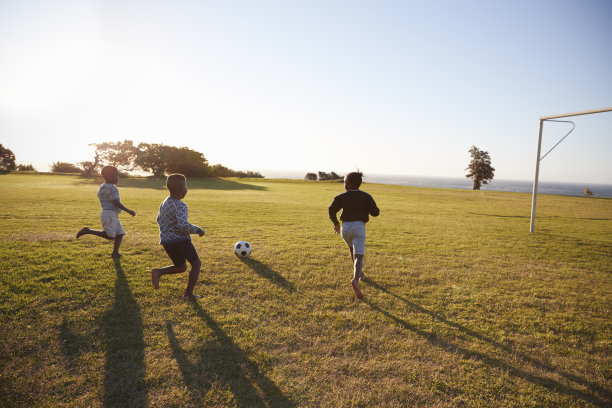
354, 178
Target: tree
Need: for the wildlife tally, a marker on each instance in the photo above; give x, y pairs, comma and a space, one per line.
480, 169
90, 167
63, 167
25, 167
151, 157
160, 159
119, 154
186, 161
310, 176
7, 159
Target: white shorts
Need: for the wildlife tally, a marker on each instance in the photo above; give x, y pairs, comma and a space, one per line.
354, 234
111, 224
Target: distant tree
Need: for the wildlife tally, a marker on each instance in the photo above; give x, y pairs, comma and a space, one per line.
221, 171
310, 176
91, 167
186, 161
25, 167
480, 169
119, 154
249, 174
62, 167
7, 159
329, 176
323, 176
152, 158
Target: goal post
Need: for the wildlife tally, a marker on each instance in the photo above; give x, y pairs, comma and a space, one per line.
538, 159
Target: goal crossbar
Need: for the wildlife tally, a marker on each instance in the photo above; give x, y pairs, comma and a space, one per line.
537, 170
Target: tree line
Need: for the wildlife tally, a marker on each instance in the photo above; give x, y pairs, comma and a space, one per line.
153, 158
323, 176
160, 159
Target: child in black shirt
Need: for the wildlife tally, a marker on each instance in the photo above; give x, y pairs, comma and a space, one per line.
357, 205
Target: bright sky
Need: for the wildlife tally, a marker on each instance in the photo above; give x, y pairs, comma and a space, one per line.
391, 87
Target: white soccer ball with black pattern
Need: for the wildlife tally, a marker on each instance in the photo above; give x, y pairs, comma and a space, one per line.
242, 249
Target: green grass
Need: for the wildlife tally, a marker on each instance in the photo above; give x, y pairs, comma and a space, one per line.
463, 308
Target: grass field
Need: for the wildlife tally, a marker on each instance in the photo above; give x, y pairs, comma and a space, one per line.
463, 308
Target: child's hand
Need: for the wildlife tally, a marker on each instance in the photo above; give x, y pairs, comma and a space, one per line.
201, 232
132, 213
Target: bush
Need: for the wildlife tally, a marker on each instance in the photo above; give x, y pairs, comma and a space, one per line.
25, 167
62, 167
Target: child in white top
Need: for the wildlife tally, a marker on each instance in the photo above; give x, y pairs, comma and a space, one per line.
111, 207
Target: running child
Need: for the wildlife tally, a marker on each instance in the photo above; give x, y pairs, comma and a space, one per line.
111, 207
174, 232
356, 207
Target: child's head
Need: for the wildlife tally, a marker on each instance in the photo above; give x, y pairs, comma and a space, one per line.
177, 185
110, 174
352, 181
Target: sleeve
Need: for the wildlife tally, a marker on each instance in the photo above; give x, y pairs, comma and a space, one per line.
373, 209
113, 193
333, 210
182, 220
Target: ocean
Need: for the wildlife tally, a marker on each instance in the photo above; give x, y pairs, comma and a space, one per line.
517, 186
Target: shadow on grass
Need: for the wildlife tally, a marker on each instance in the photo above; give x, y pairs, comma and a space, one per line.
222, 361
122, 329
496, 362
265, 271
196, 183
71, 343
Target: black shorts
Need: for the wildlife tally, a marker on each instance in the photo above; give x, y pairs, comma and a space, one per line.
181, 251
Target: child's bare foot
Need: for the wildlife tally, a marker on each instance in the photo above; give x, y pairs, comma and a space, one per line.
116, 255
155, 275
191, 297
82, 232
362, 278
356, 289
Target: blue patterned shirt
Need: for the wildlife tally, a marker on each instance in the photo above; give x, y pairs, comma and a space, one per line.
173, 224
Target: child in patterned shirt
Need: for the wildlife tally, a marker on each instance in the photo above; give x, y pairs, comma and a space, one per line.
111, 207
174, 232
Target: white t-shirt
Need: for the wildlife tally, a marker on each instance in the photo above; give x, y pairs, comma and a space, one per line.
107, 194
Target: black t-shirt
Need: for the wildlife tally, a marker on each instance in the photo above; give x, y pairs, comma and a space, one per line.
356, 205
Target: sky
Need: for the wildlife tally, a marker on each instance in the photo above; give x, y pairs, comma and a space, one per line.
389, 87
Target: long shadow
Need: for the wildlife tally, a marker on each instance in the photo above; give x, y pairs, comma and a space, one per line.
222, 360
551, 384
121, 326
265, 271
195, 183
72, 344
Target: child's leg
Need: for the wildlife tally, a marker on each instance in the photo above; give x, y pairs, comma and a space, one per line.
118, 239
157, 273
87, 231
358, 270
193, 278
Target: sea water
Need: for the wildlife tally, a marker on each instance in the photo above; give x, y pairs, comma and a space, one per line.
517, 186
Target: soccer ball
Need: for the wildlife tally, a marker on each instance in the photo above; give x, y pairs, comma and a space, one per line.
242, 249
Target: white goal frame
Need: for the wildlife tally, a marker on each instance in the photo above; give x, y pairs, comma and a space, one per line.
537, 169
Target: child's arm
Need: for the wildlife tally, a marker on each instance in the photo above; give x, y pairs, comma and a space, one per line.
333, 210
121, 207
183, 223
373, 209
